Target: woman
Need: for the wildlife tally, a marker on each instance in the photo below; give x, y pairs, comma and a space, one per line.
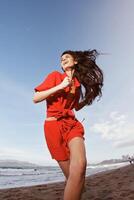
78, 86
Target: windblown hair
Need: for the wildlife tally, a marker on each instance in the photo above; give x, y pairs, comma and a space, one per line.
88, 74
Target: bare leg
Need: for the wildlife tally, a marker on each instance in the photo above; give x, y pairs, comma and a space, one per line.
64, 165
77, 169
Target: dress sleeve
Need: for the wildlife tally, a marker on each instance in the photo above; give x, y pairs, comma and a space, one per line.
49, 82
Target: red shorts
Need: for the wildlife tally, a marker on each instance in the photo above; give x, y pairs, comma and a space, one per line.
58, 133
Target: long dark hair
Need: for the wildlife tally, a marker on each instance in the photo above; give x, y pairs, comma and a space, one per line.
88, 74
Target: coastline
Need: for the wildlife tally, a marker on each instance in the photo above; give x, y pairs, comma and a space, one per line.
112, 184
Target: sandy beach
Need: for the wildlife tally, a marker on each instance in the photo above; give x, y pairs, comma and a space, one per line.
117, 184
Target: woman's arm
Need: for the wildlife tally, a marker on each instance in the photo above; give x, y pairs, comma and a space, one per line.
42, 95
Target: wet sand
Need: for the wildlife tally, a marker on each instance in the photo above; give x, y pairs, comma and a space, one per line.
117, 184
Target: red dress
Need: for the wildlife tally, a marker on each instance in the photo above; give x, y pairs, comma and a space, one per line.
60, 105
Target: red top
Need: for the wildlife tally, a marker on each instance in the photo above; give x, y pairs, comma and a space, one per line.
62, 102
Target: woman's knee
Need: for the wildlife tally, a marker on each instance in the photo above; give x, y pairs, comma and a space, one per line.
78, 167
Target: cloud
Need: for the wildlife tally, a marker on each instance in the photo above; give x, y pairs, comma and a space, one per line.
25, 155
12, 152
116, 129
124, 143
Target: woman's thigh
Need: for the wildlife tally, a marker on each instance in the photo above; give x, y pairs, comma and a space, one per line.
77, 150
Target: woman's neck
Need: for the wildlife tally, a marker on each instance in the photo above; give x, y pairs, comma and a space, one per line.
70, 72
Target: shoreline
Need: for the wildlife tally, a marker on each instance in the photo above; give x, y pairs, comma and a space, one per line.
114, 184
88, 174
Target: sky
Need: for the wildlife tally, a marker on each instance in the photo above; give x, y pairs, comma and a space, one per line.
33, 34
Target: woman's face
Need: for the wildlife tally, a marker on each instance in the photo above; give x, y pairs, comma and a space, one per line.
67, 61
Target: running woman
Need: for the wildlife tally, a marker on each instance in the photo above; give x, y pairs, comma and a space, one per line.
79, 84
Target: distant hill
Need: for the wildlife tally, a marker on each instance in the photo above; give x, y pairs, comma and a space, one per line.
25, 165
111, 161
16, 164
108, 162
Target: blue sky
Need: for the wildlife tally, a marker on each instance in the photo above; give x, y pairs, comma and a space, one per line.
33, 34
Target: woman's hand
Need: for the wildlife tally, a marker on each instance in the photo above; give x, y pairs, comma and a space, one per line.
66, 82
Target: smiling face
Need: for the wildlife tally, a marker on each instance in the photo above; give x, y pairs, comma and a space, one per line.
67, 61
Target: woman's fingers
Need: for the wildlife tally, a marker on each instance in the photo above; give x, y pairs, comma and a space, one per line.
65, 82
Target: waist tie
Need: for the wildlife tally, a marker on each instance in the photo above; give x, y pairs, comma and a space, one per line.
66, 120
64, 113
66, 124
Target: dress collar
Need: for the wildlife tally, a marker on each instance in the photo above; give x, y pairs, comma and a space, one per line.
76, 82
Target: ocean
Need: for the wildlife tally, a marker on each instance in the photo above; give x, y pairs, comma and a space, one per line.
17, 177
